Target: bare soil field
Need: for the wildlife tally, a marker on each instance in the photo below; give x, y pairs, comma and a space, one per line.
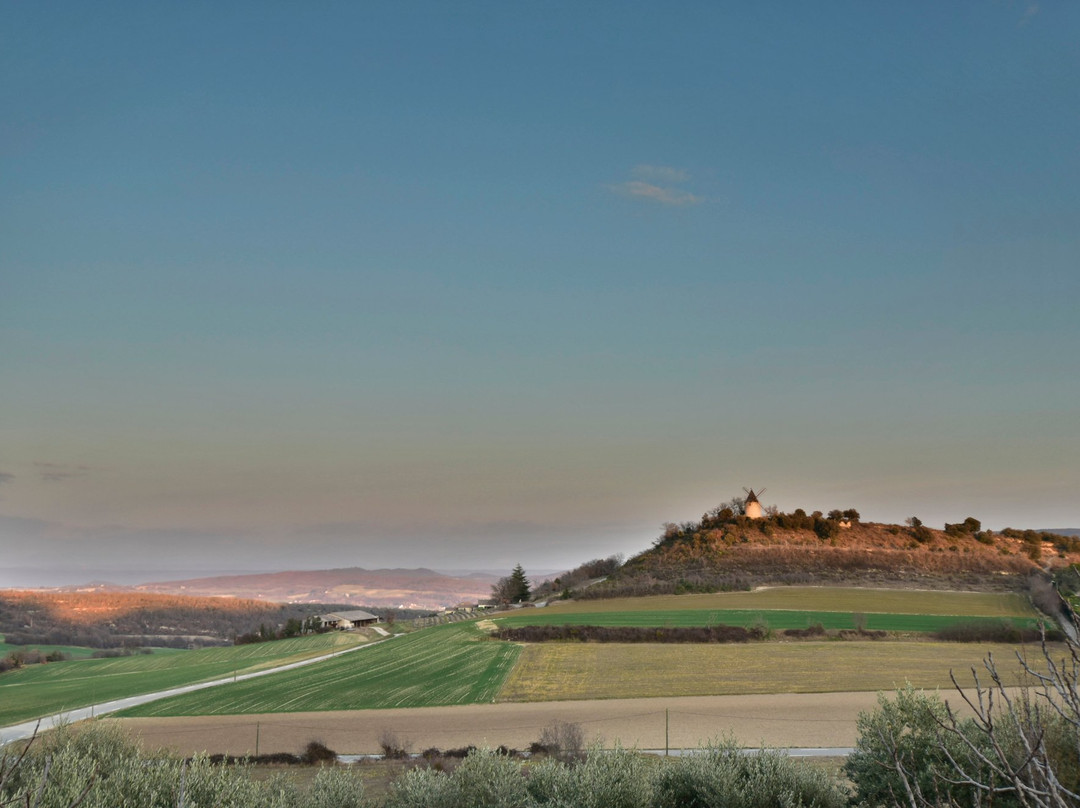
800, 720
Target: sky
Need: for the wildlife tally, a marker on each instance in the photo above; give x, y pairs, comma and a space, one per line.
463, 285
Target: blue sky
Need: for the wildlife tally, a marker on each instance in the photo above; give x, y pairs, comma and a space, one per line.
470, 284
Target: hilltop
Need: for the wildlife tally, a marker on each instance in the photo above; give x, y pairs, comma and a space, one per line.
725, 550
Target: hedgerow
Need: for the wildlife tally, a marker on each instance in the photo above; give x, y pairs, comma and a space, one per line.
569, 633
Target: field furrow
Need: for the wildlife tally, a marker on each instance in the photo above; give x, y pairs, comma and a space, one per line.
453, 664
52, 688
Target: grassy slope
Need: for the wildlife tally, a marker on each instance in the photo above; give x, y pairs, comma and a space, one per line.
46, 689
789, 607
451, 664
556, 671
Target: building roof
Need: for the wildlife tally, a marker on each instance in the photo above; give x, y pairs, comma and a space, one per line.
751, 497
353, 616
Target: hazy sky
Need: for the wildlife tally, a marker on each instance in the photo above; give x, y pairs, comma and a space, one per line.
467, 284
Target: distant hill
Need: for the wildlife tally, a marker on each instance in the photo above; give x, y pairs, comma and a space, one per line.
734, 552
1063, 531
109, 618
398, 588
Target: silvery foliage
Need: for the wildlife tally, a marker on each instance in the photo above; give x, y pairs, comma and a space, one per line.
98, 767
485, 779
619, 778
722, 775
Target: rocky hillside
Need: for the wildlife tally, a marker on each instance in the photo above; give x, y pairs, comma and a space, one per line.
729, 551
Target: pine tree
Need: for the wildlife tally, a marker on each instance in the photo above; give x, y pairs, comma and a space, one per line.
519, 585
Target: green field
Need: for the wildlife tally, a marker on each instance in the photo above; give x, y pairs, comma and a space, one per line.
790, 607
73, 651
450, 664
39, 690
776, 619
819, 599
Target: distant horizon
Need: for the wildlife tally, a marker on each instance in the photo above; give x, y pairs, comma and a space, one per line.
50, 577
59, 577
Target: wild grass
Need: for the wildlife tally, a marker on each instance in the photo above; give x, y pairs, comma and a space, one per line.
450, 664
559, 671
47, 689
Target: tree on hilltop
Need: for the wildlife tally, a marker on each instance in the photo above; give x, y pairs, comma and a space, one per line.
514, 588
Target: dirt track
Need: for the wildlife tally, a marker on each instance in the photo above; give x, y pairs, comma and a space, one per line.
798, 720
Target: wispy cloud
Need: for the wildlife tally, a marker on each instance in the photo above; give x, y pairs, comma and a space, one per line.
653, 183
637, 189
6, 478
58, 472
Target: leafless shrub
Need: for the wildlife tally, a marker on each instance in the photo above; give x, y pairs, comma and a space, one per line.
393, 747
563, 740
1021, 747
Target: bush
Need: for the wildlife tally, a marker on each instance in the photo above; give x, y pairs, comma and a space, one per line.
317, 752
561, 739
1019, 749
393, 747
724, 776
826, 528
485, 779
336, 788
903, 733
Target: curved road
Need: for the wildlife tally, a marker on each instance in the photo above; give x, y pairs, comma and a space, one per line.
17, 732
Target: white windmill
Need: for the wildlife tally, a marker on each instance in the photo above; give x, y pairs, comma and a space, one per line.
752, 507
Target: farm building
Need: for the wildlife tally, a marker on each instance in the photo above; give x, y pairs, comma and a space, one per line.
343, 621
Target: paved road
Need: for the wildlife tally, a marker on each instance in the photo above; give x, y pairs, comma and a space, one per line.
17, 732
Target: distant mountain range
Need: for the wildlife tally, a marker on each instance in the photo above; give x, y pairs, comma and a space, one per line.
1062, 531
400, 588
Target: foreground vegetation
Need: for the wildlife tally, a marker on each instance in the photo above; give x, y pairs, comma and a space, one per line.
47, 689
449, 664
98, 768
